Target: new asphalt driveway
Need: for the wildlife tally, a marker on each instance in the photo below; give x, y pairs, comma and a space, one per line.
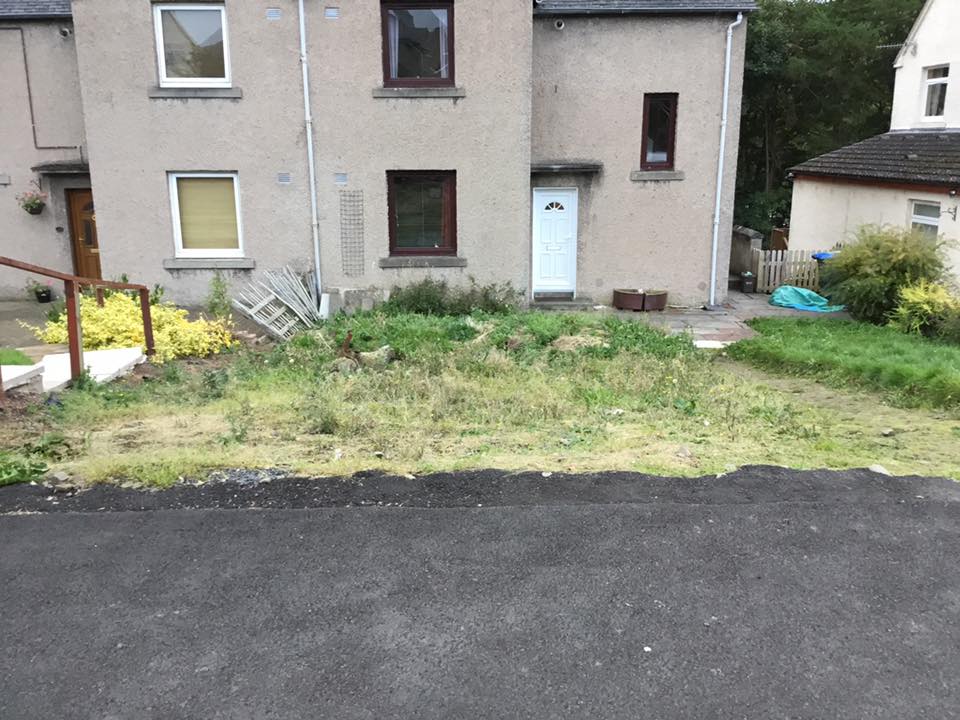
763, 594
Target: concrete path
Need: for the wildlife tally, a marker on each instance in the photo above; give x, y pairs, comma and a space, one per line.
12, 335
727, 325
764, 594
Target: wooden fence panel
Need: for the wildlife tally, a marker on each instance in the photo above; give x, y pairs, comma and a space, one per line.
774, 268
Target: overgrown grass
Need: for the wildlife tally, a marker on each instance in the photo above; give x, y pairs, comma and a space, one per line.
911, 370
11, 356
466, 392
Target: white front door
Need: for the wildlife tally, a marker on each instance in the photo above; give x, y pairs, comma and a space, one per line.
554, 240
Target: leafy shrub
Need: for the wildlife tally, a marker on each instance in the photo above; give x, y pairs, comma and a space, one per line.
436, 297
923, 309
119, 324
868, 275
764, 210
950, 325
213, 383
218, 301
239, 421
17, 469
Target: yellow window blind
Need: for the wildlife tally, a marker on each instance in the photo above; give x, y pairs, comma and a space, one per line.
208, 213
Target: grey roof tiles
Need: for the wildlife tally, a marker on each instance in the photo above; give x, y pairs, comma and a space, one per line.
930, 157
34, 8
630, 7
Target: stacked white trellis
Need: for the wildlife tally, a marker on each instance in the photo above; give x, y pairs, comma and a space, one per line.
282, 302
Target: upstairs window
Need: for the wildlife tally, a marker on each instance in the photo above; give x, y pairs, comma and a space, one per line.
192, 48
417, 44
423, 212
937, 79
659, 131
925, 218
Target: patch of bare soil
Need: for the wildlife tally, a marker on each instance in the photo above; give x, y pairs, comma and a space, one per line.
21, 419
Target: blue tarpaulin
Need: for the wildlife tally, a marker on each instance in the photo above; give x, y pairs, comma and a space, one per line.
789, 296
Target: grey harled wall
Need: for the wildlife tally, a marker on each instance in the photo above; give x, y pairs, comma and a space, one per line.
484, 136
52, 61
589, 82
135, 139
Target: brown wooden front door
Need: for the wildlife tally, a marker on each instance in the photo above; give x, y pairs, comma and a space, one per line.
83, 233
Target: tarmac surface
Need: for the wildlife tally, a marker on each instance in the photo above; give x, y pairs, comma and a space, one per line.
766, 593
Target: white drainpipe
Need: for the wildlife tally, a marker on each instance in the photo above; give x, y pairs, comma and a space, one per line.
721, 162
323, 300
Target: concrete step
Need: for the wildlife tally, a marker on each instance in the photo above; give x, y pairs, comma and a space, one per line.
103, 366
568, 304
25, 377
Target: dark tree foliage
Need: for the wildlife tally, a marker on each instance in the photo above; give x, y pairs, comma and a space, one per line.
815, 80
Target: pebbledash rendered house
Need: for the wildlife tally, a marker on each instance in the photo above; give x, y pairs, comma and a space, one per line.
908, 177
568, 147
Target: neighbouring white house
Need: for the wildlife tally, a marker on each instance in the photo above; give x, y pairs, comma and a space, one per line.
909, 176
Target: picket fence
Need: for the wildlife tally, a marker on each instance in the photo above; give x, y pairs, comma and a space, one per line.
774, 268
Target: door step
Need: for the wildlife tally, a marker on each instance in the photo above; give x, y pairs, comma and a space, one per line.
569, 304
551, 296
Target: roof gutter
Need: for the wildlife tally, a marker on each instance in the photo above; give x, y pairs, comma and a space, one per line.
722, 159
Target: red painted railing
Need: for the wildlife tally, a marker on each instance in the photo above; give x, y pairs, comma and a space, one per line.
72, 284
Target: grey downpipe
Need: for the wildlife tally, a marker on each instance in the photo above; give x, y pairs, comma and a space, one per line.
323, 302
721, 162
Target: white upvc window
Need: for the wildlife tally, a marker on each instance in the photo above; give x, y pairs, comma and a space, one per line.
936, 82
193, 49
206, 214
925, 217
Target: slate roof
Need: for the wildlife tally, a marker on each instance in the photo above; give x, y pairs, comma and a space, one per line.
639, 7
10, 9
930, 157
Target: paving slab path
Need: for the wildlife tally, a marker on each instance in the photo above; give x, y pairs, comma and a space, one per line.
767, 593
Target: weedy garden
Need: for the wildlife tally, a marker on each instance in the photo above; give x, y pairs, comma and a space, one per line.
466, 383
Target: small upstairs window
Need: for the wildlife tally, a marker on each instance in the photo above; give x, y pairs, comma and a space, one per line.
417, 43
937, 79
659, 131
192, 49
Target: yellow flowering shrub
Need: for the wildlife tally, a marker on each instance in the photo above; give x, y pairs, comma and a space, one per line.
119, 324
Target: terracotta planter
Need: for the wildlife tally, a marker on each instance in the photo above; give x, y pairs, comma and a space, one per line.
35, 210
655, 300
624, 299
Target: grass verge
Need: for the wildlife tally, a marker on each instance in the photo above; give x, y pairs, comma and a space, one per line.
11, 356
909, 369
489, 391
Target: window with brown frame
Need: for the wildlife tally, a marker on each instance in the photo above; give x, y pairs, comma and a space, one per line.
659, 131
417, 43
423, 212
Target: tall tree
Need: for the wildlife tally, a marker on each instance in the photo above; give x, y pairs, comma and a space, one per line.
817, 77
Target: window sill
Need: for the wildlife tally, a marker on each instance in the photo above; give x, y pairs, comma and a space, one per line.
422, 261
419, 92
657, 175
231, 93
209, 264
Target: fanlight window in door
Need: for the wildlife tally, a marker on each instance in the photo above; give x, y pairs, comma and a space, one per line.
554, 207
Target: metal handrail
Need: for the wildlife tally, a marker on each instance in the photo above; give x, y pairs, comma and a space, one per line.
71, 283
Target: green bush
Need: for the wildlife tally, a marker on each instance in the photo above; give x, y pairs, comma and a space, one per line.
218, 299
18, 469
436, 297
868, 275
924, 309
